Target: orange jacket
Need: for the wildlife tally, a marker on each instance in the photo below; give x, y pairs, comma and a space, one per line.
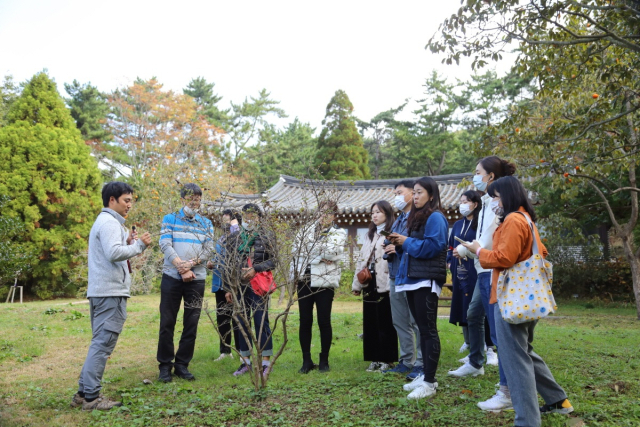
512, 243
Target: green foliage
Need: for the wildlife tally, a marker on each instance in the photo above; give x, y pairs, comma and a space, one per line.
15, 256
8, 94
89, 108
53, 183
289, 151
202, 93
341, 154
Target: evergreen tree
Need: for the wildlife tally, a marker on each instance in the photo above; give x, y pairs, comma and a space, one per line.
53, 182
202, 93
341, 154
89, 108
8, 94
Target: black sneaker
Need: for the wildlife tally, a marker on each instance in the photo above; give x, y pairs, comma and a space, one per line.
182, 372
165, 374
562, 407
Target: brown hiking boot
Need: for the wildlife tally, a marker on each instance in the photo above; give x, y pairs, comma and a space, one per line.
78, 400
101, 404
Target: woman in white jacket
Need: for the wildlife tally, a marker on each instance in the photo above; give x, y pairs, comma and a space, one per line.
380, 340
319, 259
488, 170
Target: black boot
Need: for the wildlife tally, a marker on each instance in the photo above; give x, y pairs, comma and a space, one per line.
307, 364
323, 366
165, 373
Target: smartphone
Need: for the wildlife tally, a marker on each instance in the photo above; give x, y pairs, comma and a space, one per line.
460, 240
385, 233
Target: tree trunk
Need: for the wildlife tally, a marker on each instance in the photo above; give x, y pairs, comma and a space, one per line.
634, 262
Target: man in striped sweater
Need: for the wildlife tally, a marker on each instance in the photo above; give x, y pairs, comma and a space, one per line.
186, 239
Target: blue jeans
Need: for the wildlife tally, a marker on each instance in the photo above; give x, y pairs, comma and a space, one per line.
478, 308
527, 372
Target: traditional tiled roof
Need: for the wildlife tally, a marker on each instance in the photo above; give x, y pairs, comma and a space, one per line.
292, 195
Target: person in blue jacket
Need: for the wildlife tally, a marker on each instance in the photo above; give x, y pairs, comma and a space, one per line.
463, 272
422, 273
232, 220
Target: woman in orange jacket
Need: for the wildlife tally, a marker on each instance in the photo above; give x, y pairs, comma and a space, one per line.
512, 243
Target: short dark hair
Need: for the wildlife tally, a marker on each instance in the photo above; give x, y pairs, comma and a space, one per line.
387, 210
114, 189
252, 208
233, 214
407, 183
513, 196
190, 190
418, 217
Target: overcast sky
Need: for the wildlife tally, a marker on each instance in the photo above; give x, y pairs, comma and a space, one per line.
300, 51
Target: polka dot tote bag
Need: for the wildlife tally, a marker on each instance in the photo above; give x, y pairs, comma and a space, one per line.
524, 290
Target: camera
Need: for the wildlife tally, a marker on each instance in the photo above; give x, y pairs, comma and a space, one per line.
388, 257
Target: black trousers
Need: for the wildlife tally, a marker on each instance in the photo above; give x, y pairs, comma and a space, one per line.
380, 339
172, 293
323, 299
424, 307
226, 325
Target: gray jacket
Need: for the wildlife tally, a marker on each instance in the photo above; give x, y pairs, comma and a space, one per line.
108, 254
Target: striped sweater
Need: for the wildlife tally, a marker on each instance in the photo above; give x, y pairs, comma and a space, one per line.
189, 239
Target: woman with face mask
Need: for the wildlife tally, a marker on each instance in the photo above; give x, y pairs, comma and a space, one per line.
463, 272
513, 242
380, 340
488, 170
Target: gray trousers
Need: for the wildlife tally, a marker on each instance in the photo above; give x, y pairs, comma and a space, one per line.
408, 333
107, 319
526, 371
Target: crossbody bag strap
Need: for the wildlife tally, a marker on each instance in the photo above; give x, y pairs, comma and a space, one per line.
534, 247
373, 250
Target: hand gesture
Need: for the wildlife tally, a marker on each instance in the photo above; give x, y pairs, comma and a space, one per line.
473, 246
248, 273
133, 236
390, 249
397, 239
188, 276
146, 238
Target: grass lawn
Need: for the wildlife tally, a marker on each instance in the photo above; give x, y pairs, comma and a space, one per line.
593, 353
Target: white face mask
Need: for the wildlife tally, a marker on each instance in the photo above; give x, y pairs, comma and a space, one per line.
188, 212
380, 228
465, 209
248, 224
479, 183
496, 208
399, 202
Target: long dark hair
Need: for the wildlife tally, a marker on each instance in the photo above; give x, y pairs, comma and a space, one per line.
475, 197
418, 217
513, 196
499, 167
387, 210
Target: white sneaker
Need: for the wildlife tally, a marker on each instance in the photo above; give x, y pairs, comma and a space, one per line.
492, 357
466, 370
223, 356
499, 402
417, 382
464, 347
383, 366
374, 366
464, 360
425, 390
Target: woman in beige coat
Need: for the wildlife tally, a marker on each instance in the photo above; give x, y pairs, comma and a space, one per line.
379, 336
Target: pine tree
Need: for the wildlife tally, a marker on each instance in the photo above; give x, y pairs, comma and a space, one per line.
89, 108
341, 154
202, 93
53, 182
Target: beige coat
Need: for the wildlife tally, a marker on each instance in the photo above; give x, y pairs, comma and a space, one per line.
382, 266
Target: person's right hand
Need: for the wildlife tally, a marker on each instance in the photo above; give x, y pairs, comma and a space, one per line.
188, 276
146, 238
390, 249
455, 253
227, 296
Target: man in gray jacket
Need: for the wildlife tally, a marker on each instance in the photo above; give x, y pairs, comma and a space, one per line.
110, 247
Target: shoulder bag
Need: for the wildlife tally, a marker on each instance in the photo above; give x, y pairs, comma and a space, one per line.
524, 290
364, 276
